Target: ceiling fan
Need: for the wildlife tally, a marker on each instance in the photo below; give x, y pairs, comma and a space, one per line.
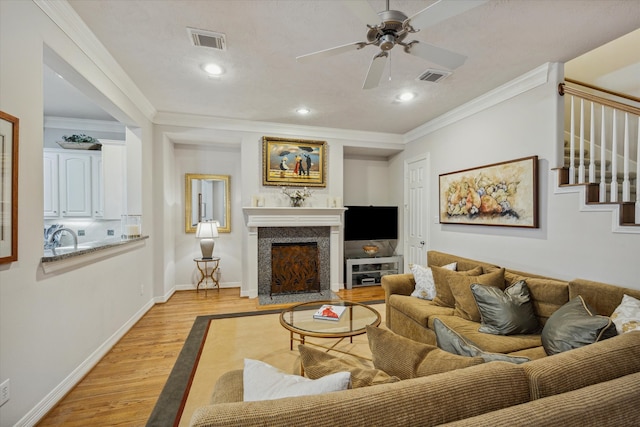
389, 28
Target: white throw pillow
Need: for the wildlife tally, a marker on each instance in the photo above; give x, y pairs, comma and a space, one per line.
262, 381
626, 316
425, 286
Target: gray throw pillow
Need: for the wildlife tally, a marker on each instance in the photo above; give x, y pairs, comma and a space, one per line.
449, 340
574, 325
505, 313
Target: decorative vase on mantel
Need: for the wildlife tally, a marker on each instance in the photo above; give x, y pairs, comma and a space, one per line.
296, 202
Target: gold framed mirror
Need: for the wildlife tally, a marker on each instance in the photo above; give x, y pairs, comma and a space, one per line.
207, 199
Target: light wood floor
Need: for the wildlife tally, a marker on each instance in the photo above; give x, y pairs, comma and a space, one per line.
122, 389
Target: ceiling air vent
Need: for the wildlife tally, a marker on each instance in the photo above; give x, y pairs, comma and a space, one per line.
207, 39
434, 76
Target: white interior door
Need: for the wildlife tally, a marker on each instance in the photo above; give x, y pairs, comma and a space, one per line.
416, 210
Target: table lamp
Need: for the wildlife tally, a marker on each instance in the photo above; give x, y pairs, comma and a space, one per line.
206, 231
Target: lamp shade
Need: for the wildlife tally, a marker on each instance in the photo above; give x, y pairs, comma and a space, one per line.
207, 230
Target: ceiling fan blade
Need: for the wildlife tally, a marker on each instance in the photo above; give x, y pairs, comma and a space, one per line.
363, 10
441, 10
331, 51
378, 63
444, 57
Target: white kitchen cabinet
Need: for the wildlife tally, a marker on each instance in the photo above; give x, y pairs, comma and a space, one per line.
51, 185
75, 184
84, 183
113, 178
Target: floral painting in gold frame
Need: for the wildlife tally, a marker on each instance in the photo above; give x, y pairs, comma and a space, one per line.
502, 194
293, 162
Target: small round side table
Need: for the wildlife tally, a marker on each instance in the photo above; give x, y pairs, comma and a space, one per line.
205, 275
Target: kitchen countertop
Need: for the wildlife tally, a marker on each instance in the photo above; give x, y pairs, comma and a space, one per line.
67, 252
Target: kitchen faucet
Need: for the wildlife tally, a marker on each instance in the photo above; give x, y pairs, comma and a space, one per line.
70, 231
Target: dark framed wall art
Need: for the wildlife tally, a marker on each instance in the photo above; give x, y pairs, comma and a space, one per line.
501, 194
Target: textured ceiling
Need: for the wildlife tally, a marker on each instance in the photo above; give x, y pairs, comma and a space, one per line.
502, 39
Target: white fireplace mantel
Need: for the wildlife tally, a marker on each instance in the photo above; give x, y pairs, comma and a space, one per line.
257, 217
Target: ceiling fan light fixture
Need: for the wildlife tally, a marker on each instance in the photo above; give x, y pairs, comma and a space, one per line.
405, 96
213, 69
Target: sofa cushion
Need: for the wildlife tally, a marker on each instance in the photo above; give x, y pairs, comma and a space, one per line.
626, 316
465, 305
602, 297
575, 325
505, 313
591, 364
425, 287
404, 358
448, 340
611, 403
488, 342
418, 309
444, 297
262, 381
547, 294
228, 388
318, 364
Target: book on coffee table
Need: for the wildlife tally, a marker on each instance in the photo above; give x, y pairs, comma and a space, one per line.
329, 312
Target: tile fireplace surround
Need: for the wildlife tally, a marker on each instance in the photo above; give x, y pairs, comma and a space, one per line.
259, 217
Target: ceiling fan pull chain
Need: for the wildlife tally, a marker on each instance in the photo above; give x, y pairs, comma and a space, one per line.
389, 60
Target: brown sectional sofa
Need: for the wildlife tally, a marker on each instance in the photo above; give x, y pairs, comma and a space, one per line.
595, 385
584, 386
413, 317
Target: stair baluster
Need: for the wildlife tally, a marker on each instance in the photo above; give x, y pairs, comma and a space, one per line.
613, 196
626, 185
603, 158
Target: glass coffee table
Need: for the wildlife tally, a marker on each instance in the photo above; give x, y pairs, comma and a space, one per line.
298, 320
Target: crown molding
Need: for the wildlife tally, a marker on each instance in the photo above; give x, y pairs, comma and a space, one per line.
52, 122
534, 78
63, 15
280, 129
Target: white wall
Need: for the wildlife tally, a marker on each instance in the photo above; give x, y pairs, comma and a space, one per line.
53, 327
366, 182
569, 243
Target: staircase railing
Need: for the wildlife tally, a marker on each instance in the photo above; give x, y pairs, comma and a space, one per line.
613, 138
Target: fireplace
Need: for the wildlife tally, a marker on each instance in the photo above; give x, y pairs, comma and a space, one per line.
293, 260
295, 268
268, 225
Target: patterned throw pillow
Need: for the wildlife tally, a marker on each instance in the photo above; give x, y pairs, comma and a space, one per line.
626, 316
425, 286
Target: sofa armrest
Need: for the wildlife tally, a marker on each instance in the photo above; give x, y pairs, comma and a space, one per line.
401, 284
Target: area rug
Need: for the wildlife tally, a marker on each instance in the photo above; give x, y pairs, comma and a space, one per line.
220, 343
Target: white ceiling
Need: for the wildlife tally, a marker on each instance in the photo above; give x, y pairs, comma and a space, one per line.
503, 39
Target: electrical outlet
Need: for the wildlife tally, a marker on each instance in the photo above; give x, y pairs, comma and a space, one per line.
80, 232
110, 233
4, 392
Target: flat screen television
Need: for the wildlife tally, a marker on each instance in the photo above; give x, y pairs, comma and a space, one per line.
371, 223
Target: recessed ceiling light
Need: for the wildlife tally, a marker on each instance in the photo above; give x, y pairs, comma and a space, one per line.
406, 96
213, 69
303, 111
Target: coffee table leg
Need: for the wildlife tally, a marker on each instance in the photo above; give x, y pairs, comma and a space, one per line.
291, 340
